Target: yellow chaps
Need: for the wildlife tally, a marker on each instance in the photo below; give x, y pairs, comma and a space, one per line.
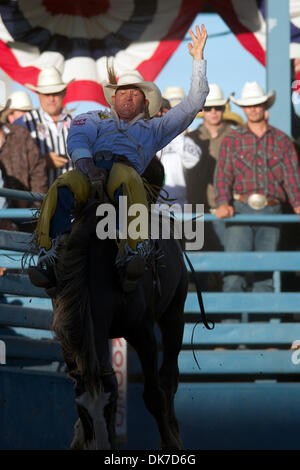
120, 175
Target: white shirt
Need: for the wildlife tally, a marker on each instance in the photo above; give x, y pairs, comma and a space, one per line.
49, 136
179, 155
55, 130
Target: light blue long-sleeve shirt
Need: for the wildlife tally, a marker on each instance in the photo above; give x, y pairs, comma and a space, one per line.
140, 139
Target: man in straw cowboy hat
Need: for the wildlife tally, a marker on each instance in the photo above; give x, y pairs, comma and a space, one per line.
256, 172
118, 149
49, 124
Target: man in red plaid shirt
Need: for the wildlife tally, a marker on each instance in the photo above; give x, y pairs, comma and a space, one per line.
257, 170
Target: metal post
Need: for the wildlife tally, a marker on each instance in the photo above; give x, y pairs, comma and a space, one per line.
278, 62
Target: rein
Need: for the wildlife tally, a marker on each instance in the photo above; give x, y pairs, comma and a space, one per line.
155, 193
199, 295
202, 309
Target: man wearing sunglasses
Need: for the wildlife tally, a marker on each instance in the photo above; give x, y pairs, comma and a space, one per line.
209, 136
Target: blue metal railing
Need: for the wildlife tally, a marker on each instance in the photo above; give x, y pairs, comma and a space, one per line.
18, 194
19, 214
266, 350
202, 262
240, 218
252, 218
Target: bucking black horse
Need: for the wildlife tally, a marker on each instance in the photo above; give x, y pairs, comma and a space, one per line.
90, 308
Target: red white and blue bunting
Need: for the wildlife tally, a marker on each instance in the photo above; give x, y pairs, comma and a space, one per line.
77, 36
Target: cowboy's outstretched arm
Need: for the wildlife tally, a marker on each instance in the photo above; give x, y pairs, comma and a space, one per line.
181, 116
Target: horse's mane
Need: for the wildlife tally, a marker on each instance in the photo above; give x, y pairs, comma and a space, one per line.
72, 323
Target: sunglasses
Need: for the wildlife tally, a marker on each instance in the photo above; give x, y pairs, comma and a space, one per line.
216, 108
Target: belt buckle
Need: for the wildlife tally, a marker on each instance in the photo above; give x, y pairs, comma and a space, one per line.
257, 201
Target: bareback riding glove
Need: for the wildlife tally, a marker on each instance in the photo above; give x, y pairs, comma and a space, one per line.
96, 175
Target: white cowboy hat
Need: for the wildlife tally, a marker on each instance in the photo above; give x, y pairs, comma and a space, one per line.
215, 96
174, 94
49, 81
253, 94
150, 90
20, 100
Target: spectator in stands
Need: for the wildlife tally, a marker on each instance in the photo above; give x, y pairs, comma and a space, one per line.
180, 154
174, 94
209, 136
49, 124
22, 166
18, 104
256, 171
165, 106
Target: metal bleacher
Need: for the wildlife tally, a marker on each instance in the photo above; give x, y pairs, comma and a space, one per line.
239, 383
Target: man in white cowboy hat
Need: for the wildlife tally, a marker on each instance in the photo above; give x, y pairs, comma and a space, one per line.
21, 165
209, 136
121, 147
49, 124
256, 172
18, 104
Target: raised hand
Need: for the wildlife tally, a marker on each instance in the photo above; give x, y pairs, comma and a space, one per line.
196, 49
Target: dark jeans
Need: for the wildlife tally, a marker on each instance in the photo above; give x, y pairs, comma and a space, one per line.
254, 237
219, 229
61, 221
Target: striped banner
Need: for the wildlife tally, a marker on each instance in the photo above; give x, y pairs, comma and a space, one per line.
247, 20
77, 36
